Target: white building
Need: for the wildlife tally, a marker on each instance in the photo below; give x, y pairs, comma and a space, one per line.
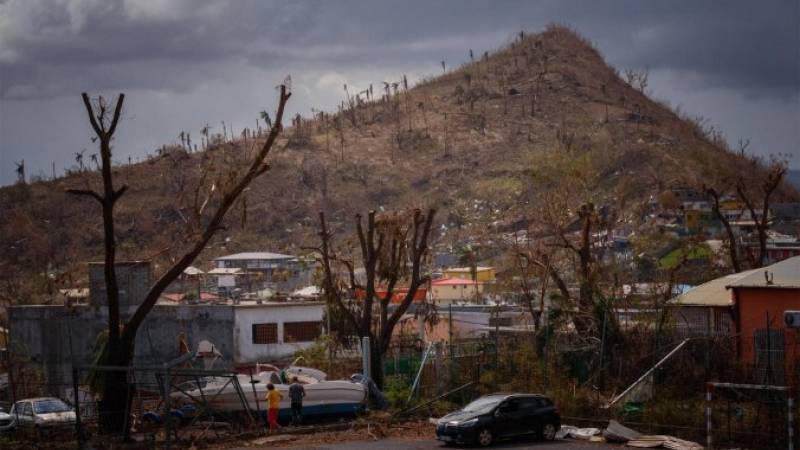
226, 279
274, 330
266, 269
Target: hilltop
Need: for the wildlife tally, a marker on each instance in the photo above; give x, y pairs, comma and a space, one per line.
483, 143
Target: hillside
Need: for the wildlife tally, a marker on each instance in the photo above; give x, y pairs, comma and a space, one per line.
485, 143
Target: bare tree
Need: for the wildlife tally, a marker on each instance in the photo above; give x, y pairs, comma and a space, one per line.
534, 266
21, 171
638, 79
119, 349
768, 184
733, 252
387, 247
79, 158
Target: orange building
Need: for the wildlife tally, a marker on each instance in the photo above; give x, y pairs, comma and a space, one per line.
760, 301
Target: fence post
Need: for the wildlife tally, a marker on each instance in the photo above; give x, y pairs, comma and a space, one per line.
365, 356
451, 366
255, 396
167, 411
709, 443
76, 399
790, 418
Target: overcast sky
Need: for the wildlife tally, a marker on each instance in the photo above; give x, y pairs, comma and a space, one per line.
185, 63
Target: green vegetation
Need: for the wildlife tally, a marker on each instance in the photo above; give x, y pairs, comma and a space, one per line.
675, 257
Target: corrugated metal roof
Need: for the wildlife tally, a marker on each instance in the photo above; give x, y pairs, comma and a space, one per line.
254, 255
781, 275
712, 293
225, 271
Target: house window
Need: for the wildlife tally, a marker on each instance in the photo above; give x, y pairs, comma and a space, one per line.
265, 333
301, 331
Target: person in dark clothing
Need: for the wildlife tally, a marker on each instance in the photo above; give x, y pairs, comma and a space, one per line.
296, 394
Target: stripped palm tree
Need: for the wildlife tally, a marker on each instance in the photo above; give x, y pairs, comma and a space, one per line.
79, 158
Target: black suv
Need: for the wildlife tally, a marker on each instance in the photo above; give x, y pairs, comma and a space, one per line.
500, 416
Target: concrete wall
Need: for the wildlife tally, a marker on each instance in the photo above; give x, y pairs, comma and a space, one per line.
133, 279
280, 313
448, 293
158, 338
53, 337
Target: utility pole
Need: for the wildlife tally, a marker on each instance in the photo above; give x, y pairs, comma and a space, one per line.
496, 343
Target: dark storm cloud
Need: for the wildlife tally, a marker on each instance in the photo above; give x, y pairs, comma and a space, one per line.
742, 45
185, 62
749, 45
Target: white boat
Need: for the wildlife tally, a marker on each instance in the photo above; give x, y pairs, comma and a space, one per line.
323, 397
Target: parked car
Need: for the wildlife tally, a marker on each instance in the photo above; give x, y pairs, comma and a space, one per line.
41, 414
6, 421
500, 416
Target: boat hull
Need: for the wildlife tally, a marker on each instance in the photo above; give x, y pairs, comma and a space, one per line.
322, 398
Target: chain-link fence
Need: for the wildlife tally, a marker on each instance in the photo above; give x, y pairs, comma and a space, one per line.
162, 407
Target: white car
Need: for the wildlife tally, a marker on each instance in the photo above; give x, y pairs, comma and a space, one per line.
41, 414
6, 422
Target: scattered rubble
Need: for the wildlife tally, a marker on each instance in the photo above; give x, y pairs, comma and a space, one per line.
669, 442
273, 439
569, 431
616, 432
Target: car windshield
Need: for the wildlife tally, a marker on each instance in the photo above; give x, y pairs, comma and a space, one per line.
50, 406
483, 405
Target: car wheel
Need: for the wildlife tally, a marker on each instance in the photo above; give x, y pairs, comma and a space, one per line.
484, 437
548, 432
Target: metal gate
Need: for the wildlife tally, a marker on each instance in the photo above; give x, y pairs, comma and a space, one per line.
769, 345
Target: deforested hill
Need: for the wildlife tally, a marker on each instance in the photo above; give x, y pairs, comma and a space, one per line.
488, 144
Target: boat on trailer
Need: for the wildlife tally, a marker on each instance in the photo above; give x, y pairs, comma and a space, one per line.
323, 397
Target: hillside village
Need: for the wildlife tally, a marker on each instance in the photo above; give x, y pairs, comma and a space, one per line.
585, 241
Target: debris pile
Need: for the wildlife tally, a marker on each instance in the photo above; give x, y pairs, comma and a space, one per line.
586, 434
616, 432
669, 442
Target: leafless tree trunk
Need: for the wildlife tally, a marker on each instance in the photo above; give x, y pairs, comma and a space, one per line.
733, 252
768, 186
120, 347
386, 247
105, 132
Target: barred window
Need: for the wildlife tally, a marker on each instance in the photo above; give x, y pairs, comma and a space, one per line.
265, 333
301, 331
